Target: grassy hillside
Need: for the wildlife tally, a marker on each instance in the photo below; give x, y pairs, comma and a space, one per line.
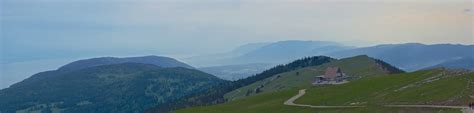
240, 85
356, 67
438, 86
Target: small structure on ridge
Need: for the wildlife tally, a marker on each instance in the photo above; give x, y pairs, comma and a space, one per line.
333, 75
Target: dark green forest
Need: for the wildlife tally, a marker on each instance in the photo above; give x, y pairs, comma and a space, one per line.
118, 88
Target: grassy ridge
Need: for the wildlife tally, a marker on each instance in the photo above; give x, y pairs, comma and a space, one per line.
453, 90
422, 87
440, 87
356, 67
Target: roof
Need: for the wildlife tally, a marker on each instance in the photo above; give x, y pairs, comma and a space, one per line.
331, 72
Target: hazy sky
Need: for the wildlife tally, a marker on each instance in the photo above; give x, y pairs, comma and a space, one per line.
183, 27
33, 30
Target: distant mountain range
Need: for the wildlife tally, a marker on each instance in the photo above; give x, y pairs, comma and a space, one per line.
286, 51
462, 63
277, 52
99, 85
247, 59
409, 56
220, 59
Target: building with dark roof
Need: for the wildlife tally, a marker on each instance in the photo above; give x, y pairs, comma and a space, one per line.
333, 75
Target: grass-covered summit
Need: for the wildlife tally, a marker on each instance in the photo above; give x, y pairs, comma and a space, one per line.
355, 67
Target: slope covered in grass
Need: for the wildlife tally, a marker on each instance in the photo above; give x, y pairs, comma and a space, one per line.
429, 87
355, 67
439, 87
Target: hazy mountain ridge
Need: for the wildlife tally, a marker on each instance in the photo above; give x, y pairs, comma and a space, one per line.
286, 51
249, 47
411, 56
274, 52
245, 56
407, 56
220, 59
461, 63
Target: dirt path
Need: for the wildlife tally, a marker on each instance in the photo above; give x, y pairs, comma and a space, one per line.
427, 106
291, 102
464, 109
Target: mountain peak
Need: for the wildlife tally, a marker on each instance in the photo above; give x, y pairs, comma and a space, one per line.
104, 87
154, 60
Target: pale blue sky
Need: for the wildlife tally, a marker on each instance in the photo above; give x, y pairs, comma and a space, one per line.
44, 30
61, 28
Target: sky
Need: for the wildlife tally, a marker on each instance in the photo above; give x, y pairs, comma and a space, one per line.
44, 34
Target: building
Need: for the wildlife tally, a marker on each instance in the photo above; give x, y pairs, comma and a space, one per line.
333, 75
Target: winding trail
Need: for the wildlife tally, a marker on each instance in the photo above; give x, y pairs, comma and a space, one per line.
464, 109
427, 106
291, 102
